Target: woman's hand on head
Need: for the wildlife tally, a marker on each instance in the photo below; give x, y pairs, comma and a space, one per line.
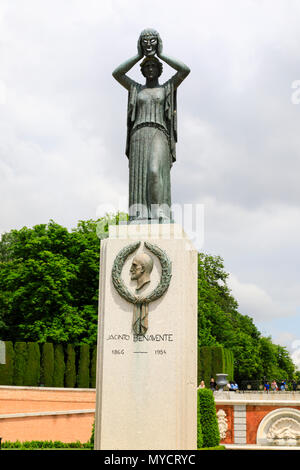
140, 49
159, 46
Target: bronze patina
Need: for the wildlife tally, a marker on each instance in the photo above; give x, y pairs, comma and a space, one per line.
151, 129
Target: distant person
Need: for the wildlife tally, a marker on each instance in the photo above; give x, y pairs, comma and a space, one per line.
282, 385
231, 386
294, 385
267, 387
212, 384
235, 386
202, 384
274, 386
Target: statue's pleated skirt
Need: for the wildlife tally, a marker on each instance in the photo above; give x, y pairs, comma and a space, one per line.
149, 173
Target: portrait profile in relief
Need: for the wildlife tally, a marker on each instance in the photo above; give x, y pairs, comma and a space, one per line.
141, 268
140, 271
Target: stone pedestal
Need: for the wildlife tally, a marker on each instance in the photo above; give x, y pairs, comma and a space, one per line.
147, 385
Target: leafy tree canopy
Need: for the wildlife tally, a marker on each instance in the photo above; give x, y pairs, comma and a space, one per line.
49, 293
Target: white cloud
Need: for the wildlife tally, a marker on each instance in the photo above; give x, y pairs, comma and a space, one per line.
256, 302
63, 125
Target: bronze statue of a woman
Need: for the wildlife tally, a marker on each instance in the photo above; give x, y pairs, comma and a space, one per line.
151, 129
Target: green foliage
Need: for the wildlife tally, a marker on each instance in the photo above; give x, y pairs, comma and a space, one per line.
92, 439
59, 366
93, 369
83, 378
204, 364
220, 324
47, 368
199, 427
20, 362
213, 360
49, 294
208, 418
70, 372
32, 369
7, 369
31, 445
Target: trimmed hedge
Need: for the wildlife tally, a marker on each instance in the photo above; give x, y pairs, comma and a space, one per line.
199, 427
70, 372
59, 366
208, 418
20, 362
49, 365
93, 371
28, 445
213, 360
83, 378
7, 369
33, 365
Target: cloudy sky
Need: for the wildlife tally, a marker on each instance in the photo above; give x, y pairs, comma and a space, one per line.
63, 129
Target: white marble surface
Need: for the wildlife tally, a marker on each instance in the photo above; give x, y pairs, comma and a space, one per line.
146, 388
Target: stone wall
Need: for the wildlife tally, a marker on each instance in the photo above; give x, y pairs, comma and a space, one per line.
61, 414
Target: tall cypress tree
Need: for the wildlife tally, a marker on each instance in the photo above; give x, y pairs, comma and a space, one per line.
59, 366
20, 362
32, 371
83, 378
7, 369
70, 374
47, 364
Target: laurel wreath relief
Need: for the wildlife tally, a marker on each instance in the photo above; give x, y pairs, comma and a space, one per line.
140, 315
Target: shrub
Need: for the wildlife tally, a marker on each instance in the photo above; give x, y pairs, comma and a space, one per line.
204, 364
47, 368
93, 373
32, 370
59, 366
70, 374
199, 427
20, 362
208, 418
7, 369
83, 379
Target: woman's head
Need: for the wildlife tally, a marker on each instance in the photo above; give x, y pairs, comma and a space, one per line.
148, 42
151, 68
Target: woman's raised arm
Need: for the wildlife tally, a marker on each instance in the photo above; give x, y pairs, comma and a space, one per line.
182, 69
120, 72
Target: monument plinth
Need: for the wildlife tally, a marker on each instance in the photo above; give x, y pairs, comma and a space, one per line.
146, 383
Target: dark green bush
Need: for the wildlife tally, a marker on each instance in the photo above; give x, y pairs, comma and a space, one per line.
83, 378
70, 373
204, 364
20, 362
217, 360
213, 360
7, 369
28, 445
199, 427
59, 366
32, 370
208, 418
93, 372
47, 368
